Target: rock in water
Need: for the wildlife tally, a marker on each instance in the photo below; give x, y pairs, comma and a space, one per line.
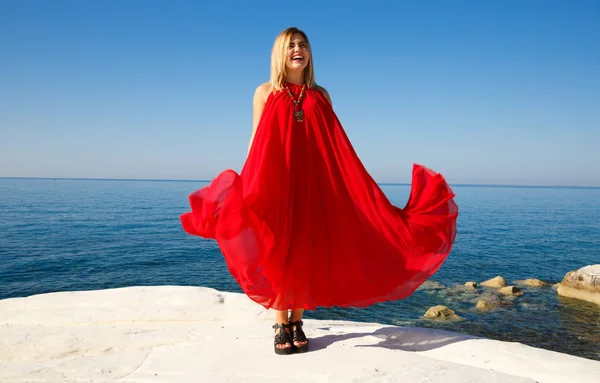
488, 302
441, 312
511, 290
431, 285
582, 284
472, 285
532, 282
494, 282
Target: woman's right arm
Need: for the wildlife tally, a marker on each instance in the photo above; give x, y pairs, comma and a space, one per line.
260, 97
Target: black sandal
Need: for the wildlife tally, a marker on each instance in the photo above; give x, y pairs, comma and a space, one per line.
298, 336
281, 338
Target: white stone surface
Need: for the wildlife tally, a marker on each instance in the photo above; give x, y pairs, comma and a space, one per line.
190, 334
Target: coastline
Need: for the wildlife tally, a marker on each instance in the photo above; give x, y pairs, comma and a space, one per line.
182, 334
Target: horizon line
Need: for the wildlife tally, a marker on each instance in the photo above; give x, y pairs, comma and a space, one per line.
379, 183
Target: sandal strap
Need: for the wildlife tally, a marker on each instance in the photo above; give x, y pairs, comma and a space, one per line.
283, 336
297, 333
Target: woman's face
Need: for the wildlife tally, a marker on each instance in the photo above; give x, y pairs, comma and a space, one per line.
298, 53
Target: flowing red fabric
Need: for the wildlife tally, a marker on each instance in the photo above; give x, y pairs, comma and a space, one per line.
304, 225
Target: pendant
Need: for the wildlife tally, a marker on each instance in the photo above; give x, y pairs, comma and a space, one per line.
299, 115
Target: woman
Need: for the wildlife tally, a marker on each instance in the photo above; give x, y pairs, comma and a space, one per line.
304, 225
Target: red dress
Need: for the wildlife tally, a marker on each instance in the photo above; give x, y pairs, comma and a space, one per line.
304, 225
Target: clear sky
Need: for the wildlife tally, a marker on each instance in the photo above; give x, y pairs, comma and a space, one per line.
492, 92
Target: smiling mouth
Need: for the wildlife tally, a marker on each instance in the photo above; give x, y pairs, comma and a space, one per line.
298, 58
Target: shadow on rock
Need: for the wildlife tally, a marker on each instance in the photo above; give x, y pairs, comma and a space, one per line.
397, 338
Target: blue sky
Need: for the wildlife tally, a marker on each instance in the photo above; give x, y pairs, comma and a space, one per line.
491, 92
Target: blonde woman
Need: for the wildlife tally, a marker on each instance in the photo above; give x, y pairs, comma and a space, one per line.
303, 225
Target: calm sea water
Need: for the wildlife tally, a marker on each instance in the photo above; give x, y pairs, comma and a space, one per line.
58, 235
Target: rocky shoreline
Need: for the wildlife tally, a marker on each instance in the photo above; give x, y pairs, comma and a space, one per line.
582, 284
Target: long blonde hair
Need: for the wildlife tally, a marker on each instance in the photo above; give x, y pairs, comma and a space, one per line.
279, 57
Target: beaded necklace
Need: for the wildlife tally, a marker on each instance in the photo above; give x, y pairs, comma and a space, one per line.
298, 112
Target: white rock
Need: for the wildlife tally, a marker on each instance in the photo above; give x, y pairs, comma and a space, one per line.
582, 284
494, 282
510, 290
532, 282
188, 334
488, 302
441, 312
472, 285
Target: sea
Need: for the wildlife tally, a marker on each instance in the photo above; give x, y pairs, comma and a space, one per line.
88, 234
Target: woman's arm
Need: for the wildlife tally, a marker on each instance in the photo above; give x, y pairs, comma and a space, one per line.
260, 97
